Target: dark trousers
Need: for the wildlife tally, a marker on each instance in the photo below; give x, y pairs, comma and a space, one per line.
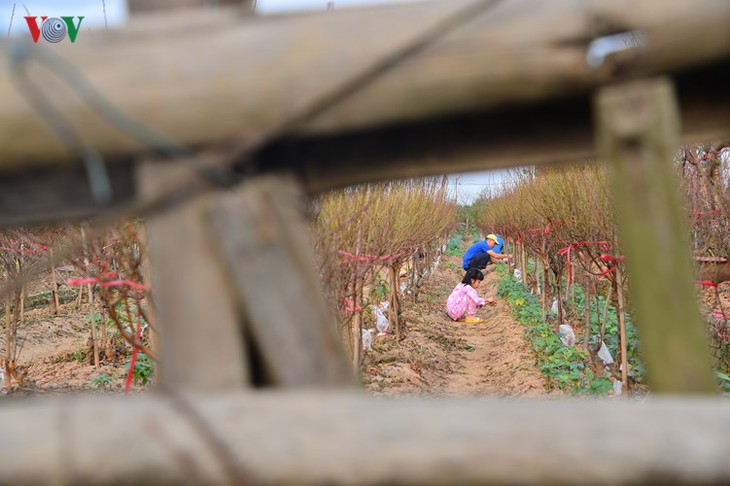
480, 261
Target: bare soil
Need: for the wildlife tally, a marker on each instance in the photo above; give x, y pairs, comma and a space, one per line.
55, 355
445, 358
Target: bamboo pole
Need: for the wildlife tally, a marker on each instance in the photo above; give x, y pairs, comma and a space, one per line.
192, 438
637, 132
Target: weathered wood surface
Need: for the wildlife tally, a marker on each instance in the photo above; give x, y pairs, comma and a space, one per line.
137, 6
311, 438
216, 75
637, 129
264, 248
200, 339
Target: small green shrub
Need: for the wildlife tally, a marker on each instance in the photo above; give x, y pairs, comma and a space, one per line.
453, 247
143, 369
102, 381
724, 380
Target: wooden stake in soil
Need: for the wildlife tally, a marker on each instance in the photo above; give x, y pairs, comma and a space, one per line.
637, 125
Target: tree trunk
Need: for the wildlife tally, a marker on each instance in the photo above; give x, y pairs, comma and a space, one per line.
523, 265
55, 304
92, 315
356, 325
622, 332
559, 297
587, 307
8, 320
90, 290
21, 303
546, 294
609, 296
395, 302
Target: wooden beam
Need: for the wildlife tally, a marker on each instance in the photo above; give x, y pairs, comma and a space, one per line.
557, 131
43, 195
347, 438
638, 126
264, 247
212, 76
139, 6
200, 339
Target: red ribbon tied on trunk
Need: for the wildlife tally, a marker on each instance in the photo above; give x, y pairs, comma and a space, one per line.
566, 251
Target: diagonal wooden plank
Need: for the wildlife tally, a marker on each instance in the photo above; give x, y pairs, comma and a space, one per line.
264, 245
200, 342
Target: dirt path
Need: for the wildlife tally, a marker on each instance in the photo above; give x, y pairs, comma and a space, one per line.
442, 357
497, 360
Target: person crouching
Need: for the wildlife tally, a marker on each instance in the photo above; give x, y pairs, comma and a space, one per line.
464, 301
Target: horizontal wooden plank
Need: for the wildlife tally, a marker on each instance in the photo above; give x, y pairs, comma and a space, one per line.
211, 76
348, 438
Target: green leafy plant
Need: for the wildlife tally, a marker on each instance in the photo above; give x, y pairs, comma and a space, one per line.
102, 381
453, 247
724, 380
379, 292
143, 369
600, 386
564, 367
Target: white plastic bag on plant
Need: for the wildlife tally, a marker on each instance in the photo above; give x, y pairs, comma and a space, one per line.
618, 387
367, 339
605, 355
383, 306
437, 262
518, 274
554, 307
567, 335
381, 322
403, 286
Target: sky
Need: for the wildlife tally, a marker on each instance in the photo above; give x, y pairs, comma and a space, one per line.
114, 13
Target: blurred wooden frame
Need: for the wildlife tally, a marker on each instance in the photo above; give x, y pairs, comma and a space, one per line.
506, 88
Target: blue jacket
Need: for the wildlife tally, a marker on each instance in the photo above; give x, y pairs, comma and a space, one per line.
481, 247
